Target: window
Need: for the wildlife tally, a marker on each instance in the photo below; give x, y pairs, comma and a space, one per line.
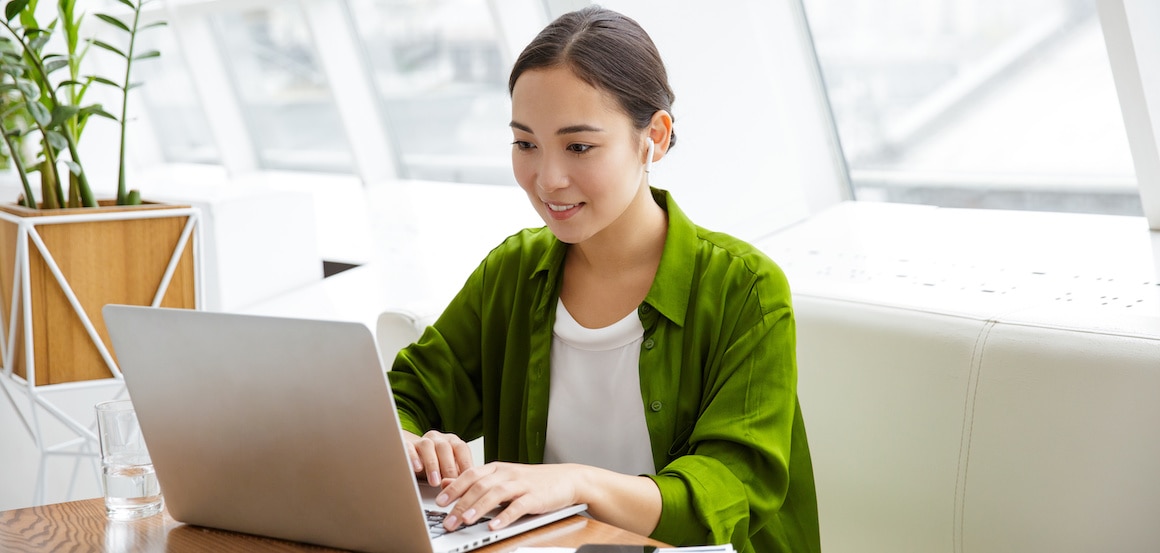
441, 79
289, 110
976, 103
175, 111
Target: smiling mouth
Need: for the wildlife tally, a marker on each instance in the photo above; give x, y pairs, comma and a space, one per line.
561, 207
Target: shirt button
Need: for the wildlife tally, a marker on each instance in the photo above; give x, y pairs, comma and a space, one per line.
644, 309
648, 344
655, 406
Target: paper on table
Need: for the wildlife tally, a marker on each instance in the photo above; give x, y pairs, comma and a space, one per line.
727, 548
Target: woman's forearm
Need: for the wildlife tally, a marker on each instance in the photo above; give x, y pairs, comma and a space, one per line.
629, 502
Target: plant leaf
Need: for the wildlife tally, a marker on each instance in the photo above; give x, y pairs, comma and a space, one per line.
62, 113
70, 82
105, 81
114, 22
54, 65
147, 55
109, 47
13, 109
39, 113
128, 3
12, 69
99, 111
14, 8
151, 25
56, 139
37, 44
73, 167
104, 114
67, 8
29, 89
134, 85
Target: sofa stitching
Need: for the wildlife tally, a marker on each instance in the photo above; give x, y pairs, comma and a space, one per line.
969, 400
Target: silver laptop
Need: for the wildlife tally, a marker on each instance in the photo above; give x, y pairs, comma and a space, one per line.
280, 427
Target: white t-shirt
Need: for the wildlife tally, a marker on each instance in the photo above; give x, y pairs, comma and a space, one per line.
595, 411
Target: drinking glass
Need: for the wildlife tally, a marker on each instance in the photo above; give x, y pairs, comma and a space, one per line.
130, 484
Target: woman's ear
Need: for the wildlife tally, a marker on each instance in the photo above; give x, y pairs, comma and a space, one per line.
660, 130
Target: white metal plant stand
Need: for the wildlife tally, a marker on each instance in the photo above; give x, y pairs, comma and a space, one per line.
85, 443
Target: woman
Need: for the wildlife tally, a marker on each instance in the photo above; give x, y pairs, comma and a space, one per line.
620, 356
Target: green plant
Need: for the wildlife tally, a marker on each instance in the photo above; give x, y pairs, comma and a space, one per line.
37, 105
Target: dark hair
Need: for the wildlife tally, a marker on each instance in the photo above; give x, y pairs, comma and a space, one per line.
609, 51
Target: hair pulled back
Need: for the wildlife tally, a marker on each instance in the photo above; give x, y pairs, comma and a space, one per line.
610, 52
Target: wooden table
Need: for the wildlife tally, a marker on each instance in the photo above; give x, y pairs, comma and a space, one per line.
82, 526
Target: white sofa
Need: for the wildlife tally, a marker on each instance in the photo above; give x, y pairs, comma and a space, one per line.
978, 381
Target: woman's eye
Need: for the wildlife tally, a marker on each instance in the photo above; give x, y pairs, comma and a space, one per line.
523, 145
579, 148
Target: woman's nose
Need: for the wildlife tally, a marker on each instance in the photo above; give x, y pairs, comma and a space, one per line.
552, 175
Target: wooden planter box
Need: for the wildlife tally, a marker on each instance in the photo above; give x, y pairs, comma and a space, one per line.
110, 254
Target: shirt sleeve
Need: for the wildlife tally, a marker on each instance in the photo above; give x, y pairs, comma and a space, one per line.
435, 381
736, 475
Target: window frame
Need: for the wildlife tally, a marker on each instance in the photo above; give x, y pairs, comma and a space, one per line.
1134, 57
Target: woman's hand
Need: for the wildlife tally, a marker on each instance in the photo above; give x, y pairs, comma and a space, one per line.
525, 489
630, 502
437, 455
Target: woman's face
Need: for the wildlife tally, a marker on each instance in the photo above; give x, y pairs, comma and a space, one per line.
575, 153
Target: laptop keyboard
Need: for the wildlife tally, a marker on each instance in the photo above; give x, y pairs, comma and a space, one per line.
435, 523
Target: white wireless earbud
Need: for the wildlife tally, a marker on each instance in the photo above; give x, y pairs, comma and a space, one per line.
652, 147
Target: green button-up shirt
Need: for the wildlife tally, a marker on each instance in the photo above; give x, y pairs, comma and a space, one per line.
718, 381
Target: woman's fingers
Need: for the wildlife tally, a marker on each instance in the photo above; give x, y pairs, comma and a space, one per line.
429, 456
521, 489
453, 453
465, 492
413, 455
463, 456
447, 463
437, 455
520, 506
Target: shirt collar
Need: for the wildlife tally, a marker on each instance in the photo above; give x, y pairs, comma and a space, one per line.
669, 293
553, 260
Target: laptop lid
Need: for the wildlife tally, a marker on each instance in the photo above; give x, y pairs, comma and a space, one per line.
277, 427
